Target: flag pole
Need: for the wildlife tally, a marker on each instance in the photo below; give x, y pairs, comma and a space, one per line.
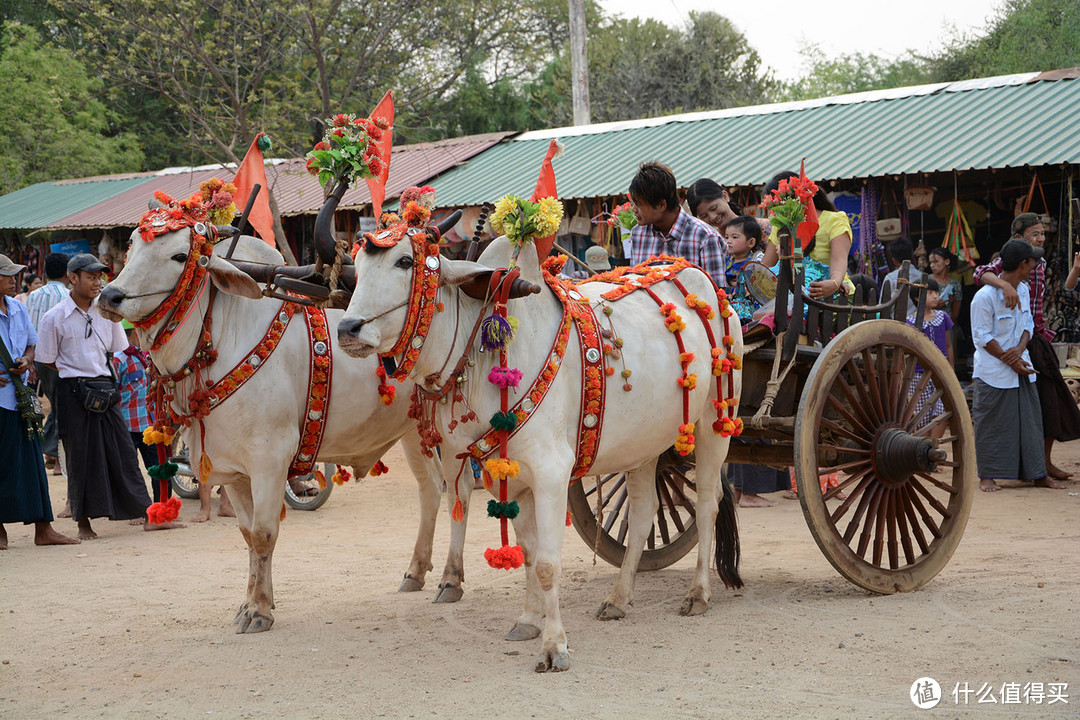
243, 219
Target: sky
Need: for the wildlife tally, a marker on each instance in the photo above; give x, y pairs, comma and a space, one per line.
881, 27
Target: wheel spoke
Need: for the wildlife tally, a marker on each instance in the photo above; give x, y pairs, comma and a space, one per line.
868, 489
909, 363
879, 527
930, 403
840, 430
885, 380
600, 482
944, 486
868, 525
909, 508
930, 523
934, 502
873, 382
683, 500
900, 505
864, 401
925, 429
848, 466
667, 501
913, 398
661, 518
843, 449
847, 415
616, 511
860, 478
890, 519
853, 401
623, 527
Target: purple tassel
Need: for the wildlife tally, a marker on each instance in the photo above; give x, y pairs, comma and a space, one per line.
495, 332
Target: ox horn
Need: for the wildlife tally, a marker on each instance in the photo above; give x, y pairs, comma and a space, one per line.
154, 204
444, 225
478, 287
226, 230
325, 245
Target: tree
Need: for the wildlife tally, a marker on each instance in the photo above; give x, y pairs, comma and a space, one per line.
850, 73
1025, 36
54, 125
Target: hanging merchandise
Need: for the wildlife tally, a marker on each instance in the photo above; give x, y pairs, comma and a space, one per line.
958, 236
919, 197
889, 227
580, 224
1048, 222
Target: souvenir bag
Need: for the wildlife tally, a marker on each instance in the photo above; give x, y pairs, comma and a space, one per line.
26, 402
919, 197
889, 228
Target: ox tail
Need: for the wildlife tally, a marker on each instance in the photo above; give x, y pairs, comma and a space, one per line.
728, 551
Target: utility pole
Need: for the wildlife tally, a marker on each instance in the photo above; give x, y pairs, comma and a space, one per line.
579, 62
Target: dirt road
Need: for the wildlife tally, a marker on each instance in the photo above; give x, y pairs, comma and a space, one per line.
137, 625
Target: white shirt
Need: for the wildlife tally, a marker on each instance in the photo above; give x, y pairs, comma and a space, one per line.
62, 340
991, 320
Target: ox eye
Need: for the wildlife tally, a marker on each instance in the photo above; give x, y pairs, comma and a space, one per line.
180, 257
404, 262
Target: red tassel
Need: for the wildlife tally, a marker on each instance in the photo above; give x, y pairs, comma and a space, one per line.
505, 558
458, 513
160, 513
568, 519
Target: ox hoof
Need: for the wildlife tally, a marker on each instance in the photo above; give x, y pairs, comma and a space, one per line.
693, 606
523, 631
448, 594
410, 584
608, 611
252, 621
553, 661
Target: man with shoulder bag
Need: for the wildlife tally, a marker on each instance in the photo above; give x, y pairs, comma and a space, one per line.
104, 479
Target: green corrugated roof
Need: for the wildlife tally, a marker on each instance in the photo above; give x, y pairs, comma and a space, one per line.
989, 123
38, 205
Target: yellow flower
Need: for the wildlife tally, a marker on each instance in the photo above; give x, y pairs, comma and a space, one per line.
505, 208
548, 217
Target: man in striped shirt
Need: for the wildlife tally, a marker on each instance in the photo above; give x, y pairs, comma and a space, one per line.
38, 303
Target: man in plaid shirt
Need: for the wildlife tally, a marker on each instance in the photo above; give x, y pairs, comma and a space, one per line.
1061, 418
663, 227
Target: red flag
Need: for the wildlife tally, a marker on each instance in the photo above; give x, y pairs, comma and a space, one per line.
377, 185
250, 172
807, 228
545, 187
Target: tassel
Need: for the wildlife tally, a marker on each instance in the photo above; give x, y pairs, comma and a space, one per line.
321, 479
495, 332
569, 520
378, 469
505, 558
458, 513
282, 518
504, 421
342, 476
205, 468
508, 510
504, 378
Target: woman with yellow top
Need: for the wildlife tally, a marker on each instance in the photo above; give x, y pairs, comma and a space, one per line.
826, 258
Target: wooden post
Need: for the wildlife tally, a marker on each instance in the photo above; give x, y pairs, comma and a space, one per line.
579, 63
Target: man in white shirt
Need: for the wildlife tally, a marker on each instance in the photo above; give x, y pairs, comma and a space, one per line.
1005, 409
104, 479
38, 303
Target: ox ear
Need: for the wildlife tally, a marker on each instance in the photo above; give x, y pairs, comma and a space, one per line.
232, 280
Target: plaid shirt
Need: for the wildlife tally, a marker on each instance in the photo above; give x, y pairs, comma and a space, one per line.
133, 386
689, 238
1036, 284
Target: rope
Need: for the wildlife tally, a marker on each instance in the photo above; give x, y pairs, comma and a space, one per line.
337, 298
772, 387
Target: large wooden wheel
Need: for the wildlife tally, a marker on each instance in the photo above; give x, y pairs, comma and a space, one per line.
674, 530
908, 495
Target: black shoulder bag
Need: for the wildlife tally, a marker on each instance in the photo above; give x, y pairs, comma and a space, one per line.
99, 394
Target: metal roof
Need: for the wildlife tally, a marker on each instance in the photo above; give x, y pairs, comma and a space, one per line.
120, 200
1008, 121
41, 204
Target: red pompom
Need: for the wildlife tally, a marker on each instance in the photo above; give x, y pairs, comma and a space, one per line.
505, 558
164, 512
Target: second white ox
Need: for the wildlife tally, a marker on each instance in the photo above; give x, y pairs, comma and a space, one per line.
638, 425
252, 436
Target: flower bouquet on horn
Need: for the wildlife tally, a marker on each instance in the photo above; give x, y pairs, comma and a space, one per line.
523, 222
350, 149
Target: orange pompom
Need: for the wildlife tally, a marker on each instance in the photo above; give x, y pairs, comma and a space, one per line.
163, 512
505, 558
458, 513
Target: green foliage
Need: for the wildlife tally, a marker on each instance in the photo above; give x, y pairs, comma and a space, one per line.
850, 73
54, 124
1025, 36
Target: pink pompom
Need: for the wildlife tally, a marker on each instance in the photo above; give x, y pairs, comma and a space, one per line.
504, 377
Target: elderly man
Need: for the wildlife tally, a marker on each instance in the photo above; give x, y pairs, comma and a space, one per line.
24, 488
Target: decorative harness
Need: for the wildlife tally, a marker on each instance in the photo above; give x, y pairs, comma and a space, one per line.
206, 395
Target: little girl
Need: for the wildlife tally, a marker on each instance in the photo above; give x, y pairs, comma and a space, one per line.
935, 324
744, 240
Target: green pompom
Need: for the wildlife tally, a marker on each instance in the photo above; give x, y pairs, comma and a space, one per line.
504, 421
508, 510
263, 143
163, 471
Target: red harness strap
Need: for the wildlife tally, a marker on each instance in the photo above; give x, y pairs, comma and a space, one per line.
320, 367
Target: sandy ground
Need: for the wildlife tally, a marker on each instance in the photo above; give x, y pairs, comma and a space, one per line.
137, 625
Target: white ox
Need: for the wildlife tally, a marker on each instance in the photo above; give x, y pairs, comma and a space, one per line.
638, 426
251, 437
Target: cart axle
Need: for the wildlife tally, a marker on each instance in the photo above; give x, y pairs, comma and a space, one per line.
898, 455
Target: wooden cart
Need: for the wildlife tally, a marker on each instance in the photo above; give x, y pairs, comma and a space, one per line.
834, 391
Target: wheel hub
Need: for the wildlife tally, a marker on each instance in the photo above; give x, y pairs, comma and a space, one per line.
898, 455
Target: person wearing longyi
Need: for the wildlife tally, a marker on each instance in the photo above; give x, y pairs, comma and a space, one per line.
103, 471
1005, 406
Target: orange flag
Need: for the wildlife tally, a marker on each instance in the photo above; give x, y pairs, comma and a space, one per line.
377, 185
545, 187
250, 172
